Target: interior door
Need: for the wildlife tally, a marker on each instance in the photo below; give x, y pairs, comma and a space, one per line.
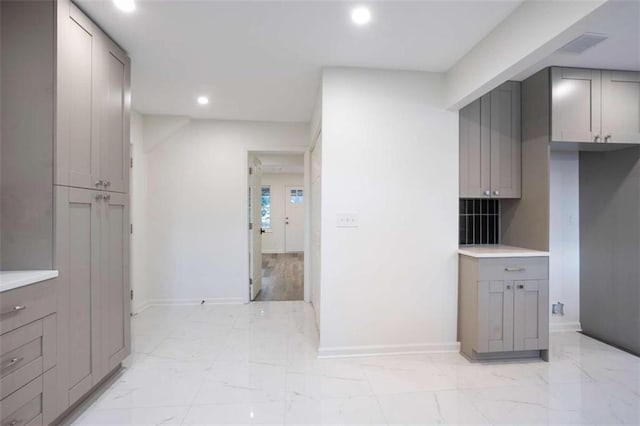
294, 219
621, 106
255, 228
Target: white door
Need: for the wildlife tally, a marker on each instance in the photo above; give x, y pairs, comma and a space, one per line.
294, 219
255, 228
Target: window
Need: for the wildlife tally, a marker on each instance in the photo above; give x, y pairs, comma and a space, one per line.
296, 196
265, 207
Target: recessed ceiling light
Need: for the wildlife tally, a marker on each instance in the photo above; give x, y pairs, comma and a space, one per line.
203, 100
125, 5
361, 15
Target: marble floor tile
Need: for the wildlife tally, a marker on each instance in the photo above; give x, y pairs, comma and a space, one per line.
258, 364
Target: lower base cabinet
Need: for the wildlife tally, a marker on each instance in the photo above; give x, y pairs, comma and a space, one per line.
92, 257
503, 305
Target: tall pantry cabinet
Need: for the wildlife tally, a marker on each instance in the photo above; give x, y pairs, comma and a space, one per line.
91, 181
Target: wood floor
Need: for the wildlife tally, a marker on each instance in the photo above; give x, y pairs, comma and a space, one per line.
282, 277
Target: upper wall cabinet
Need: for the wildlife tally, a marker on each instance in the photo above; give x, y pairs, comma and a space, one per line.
92, 102
593, 106
490, 145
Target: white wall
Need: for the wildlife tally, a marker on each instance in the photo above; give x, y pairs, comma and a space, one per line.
390, 154
273, 241
564, 262
196, 219
139, 216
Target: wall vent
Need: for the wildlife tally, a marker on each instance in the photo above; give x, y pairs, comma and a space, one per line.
582, 43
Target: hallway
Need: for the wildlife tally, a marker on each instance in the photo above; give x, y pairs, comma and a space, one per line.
282, 277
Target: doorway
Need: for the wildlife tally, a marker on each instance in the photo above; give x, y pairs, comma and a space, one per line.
277, 202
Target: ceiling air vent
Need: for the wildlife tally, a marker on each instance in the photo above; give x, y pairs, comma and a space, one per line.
582, 43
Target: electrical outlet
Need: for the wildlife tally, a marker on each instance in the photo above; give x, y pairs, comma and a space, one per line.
347, 220
557, 309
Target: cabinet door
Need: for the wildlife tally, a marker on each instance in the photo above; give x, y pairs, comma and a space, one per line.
114, 290
495, 316
531, 319
475, 160
77, 134
115, 110
621, 106
575, 105
506, 141
78, 257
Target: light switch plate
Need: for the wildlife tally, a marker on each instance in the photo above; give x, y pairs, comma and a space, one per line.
347, 220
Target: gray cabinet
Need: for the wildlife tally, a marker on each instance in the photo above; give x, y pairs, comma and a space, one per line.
93, 104
503, 307
595, 106
621, 106
490, 145
92, 255
114, 288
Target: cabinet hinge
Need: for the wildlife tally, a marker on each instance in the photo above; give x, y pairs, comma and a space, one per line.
131, 294
250, 226
131, 162
250, 281
250, 170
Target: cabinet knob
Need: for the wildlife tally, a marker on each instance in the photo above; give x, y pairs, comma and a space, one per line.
107, 197
606, 138
99, 183
496, 192
520, 286
487, 193
597, 139
508, 287
107, 183
99, 197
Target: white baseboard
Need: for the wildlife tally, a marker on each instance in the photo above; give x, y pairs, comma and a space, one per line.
373, 350
193, 302
137, 309
558, 327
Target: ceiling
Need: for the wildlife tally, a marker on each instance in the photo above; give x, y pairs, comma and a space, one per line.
620, 21
262, 60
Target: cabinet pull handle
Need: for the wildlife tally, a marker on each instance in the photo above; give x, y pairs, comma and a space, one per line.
606, 138
15, 309
13, 362
520, 269
597, 139
14, 422
520, 286
487, 193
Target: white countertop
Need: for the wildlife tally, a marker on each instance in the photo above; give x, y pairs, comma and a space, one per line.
500, 251
10, 280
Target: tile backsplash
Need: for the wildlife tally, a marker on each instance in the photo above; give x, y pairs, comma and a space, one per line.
479, 221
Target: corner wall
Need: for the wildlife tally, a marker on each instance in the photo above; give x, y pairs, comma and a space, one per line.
389, 154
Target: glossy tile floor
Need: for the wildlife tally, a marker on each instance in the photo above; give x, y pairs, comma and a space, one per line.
256, 364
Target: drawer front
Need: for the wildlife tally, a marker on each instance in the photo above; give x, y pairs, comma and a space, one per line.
25, 353
513, 268
24, 406
26, 304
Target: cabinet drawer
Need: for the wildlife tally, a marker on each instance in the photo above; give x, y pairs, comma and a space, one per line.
513, 268
24, 407
26, 353
26, 304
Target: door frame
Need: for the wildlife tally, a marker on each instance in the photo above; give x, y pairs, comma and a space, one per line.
278, 149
